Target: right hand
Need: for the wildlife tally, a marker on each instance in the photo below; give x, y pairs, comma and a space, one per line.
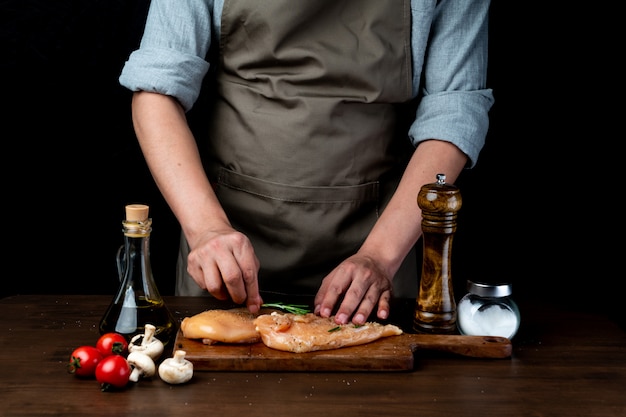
221, 260
224, 263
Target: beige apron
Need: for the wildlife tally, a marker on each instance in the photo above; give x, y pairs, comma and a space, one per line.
302, 149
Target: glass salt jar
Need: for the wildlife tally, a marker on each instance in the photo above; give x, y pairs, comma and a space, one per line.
488, 310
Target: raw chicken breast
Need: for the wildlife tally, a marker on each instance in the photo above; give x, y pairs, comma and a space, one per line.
310, 332
225, 326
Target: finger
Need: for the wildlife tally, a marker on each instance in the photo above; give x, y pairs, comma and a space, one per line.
250, 271
384, 306
365, 307
248, 265
356, 298
233, 279
332, 289
209, 279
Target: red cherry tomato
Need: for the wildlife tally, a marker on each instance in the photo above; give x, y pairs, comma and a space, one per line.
113, 371
83, 361
112, 344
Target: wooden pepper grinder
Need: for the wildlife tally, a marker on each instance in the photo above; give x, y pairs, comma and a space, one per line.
435, 308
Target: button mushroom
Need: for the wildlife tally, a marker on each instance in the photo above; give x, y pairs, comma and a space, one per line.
141, 364
147, 343
177, 369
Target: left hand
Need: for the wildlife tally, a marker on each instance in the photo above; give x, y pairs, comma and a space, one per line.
364, 286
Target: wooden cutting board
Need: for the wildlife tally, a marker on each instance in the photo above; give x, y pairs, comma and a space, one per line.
394, 353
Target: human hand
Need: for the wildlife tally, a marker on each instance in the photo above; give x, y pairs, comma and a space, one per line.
224, 263
364, 286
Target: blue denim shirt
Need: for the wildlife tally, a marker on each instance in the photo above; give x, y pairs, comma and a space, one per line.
449, 53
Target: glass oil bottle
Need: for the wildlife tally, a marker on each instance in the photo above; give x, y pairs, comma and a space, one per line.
138, 301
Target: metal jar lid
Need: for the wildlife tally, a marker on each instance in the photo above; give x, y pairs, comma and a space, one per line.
489, 290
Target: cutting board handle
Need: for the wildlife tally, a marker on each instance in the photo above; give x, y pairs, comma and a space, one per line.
472, 346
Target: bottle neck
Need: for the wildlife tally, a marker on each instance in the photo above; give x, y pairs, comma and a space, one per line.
135, 268
133, 228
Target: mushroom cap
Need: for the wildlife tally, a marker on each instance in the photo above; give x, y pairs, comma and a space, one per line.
153, 348
176, 370
142, 365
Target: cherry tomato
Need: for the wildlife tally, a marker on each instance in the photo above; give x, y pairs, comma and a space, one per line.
84, 360
112, 344
113, 371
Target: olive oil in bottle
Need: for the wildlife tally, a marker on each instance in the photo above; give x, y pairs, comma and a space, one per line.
138, 301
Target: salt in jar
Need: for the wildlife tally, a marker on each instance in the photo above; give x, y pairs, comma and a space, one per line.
488, 310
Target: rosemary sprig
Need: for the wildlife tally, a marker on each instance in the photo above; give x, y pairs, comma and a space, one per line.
290, 308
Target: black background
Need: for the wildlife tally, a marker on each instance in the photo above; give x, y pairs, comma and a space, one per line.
540, 210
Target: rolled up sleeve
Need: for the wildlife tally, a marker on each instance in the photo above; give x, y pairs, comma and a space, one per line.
172, 55
454, 101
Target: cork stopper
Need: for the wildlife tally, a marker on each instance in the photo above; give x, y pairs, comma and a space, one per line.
137, 212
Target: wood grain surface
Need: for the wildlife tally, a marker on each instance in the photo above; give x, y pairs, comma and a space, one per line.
566, 361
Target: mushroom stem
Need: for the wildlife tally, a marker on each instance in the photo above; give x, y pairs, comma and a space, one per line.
149, 331
142, 366
179, 357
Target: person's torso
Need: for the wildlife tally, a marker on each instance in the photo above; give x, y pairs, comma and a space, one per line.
303, 130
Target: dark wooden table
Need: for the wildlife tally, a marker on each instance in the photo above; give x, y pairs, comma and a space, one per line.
565, 363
